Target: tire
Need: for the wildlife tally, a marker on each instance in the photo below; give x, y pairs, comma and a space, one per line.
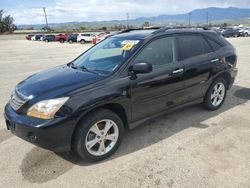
236, 35
82, 41
84, 134
214, 95
246, 35
70, 41
46, 40
61, 40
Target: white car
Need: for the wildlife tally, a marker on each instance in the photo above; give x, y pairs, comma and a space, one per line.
244, 32
41, 38
85, 37
33, 38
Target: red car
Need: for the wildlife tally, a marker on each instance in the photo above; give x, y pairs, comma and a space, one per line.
28, 37
61, 38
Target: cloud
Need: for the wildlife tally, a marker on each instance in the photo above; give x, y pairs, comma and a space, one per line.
97, 10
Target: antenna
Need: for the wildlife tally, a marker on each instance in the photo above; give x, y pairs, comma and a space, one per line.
46, 19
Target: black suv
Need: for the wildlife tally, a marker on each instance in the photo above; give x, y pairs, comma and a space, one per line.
72, 38
121, 82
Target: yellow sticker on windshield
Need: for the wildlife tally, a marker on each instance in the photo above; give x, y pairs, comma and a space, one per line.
128, 46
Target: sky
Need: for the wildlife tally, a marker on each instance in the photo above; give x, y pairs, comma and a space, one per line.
58, 11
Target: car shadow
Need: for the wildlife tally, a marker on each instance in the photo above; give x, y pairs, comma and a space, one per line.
165, 126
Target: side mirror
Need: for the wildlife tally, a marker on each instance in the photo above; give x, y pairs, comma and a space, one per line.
141, 68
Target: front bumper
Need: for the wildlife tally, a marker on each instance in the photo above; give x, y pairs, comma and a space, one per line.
52, 134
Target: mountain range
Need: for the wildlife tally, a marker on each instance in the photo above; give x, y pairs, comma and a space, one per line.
198, 16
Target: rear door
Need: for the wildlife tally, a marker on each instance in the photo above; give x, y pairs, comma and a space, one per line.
198, 58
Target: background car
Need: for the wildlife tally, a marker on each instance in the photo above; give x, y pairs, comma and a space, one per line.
49, 38
244, 32
72, 38
230, 32
100, 37
37, 37
85, 37
28, 37
61, 38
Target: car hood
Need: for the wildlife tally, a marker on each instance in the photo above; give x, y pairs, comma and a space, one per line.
57, 81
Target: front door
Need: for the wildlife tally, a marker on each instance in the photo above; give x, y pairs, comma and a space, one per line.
161, 89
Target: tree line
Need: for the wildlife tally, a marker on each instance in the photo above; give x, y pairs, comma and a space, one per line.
6, 23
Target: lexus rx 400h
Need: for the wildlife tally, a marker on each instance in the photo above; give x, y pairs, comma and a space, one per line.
119, 83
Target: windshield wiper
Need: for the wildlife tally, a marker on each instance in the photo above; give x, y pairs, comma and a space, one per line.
83, 68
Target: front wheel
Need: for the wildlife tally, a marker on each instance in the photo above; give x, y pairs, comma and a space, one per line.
216, 94
98, 135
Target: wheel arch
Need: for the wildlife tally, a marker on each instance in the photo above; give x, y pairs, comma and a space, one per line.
226, 76
114, 107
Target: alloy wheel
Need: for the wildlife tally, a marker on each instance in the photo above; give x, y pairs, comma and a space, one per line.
102, 137
218, 94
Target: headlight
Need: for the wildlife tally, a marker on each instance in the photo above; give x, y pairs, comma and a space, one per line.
46, 109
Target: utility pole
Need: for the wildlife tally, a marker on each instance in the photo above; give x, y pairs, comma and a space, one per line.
207, 18
127, 20
210, 20
189, 18
46, 19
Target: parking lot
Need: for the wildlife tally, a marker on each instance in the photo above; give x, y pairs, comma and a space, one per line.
191, 147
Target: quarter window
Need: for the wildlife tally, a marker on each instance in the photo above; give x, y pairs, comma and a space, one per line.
193, 45
214, 44
159, 52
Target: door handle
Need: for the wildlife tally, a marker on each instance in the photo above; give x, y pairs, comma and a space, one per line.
177, 71
214, 60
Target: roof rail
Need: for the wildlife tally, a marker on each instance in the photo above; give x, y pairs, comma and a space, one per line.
138, 29
181, 27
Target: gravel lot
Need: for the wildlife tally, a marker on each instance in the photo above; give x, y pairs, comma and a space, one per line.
190, 147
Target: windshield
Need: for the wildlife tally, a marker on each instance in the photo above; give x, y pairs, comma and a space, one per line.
106, 56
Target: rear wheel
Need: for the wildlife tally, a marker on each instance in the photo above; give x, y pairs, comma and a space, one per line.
83, 41
70, 41
246, 35
98, 135
61, 40
216, 94
46, 40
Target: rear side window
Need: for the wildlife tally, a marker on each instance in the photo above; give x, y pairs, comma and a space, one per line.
214, 44
193, 45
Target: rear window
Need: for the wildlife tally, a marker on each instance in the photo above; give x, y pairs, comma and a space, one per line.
193, 45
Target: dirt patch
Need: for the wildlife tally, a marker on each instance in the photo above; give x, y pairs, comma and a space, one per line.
4, 135
41, 166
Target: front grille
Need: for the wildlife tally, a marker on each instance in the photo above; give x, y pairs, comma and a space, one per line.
17, 100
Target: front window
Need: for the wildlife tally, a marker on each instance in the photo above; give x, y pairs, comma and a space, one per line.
106, 56
159, 52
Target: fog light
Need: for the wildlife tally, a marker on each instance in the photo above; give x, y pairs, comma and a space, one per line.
32, 136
